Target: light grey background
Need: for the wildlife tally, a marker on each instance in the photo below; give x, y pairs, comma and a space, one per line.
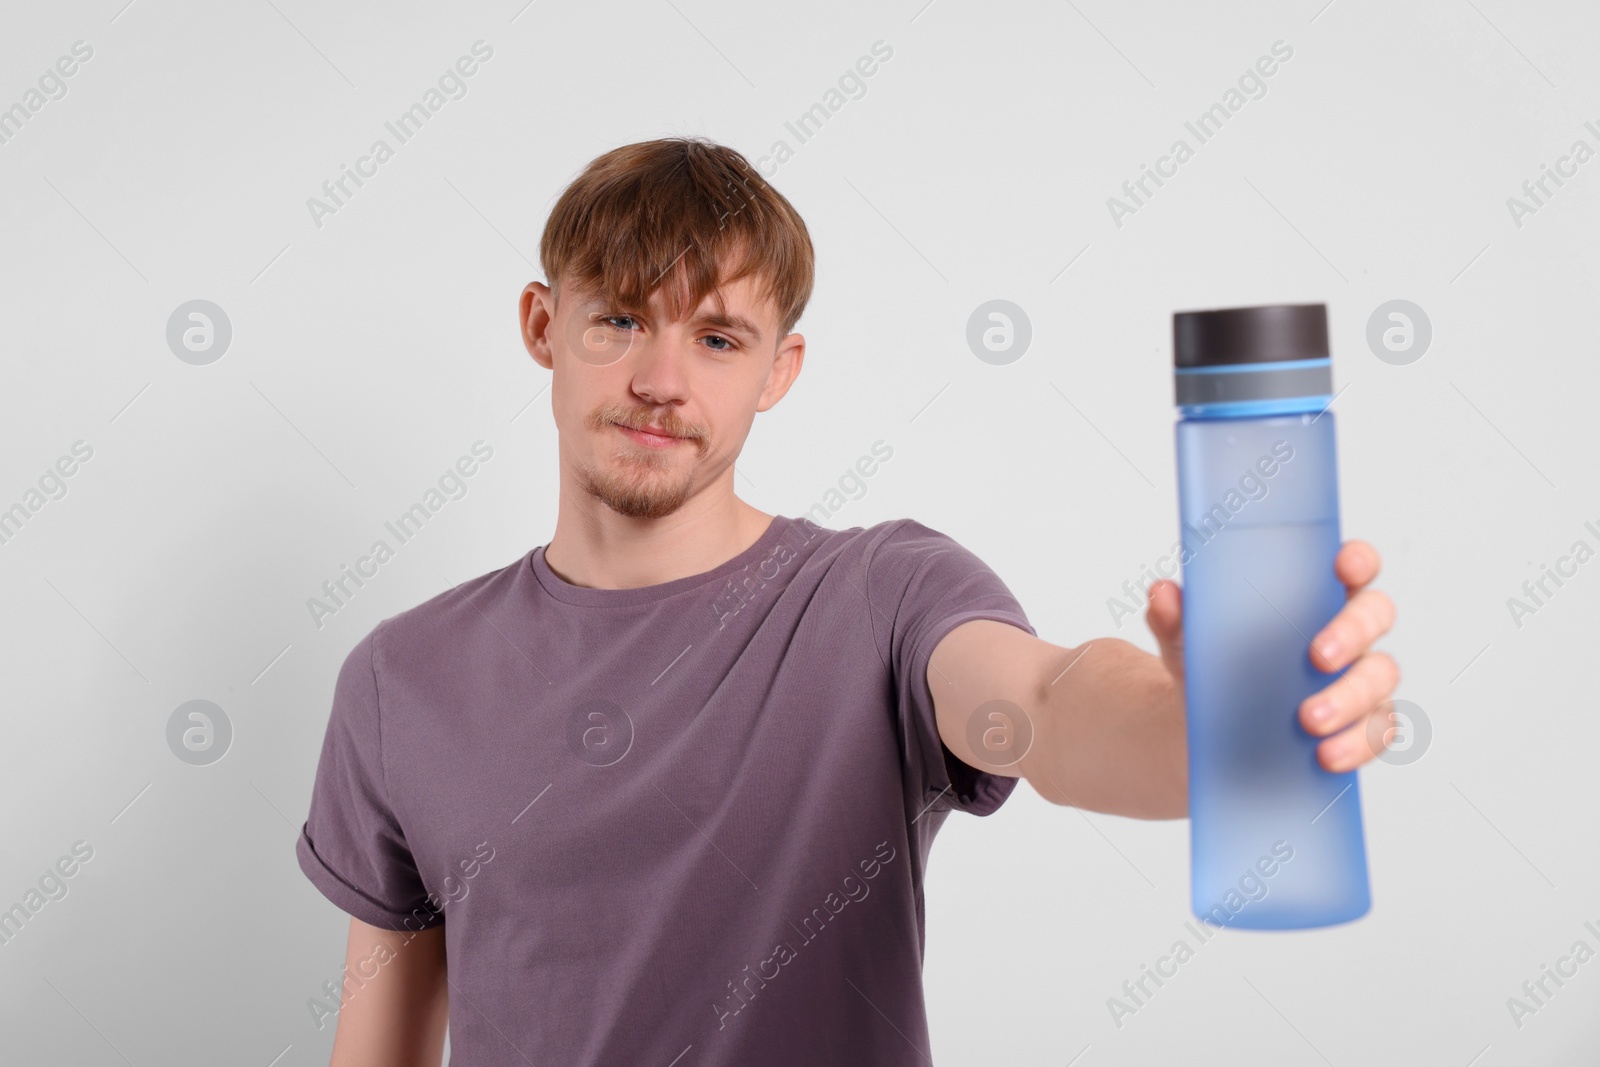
370, 352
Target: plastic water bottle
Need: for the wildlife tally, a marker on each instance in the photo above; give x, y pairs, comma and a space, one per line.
1276, 840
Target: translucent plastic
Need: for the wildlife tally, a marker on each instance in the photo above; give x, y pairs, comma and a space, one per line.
1276, 841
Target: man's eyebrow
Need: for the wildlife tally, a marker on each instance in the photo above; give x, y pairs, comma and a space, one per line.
730, 322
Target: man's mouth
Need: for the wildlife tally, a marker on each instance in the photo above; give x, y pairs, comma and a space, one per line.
649, 438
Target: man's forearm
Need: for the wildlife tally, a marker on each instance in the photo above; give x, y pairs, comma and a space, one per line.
1109, 733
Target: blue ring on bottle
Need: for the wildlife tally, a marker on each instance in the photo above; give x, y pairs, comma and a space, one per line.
1287, 405
1235, 368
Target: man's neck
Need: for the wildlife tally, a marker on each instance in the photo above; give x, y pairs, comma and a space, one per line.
595, 547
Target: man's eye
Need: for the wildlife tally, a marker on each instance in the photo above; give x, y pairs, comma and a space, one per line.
717, 337
613, 319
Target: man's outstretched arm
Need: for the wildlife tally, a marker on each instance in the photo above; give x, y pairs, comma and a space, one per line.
1108, 718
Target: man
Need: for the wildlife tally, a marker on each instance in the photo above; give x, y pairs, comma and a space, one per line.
662, 790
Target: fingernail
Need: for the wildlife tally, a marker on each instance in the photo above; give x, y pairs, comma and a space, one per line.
1321, 712
1331, 651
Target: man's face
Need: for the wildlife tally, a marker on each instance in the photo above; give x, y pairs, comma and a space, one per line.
620, 373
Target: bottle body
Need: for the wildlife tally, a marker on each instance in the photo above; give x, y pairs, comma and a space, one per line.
1276, 840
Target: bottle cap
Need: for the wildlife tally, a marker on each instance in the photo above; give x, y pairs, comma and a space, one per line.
1252, 360
1250, 335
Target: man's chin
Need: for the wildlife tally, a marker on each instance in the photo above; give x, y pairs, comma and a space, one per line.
643, 507
638, 501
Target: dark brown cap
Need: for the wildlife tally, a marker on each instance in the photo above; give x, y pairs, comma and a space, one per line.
1249, 335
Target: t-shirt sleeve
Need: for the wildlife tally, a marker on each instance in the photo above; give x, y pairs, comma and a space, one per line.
351, 846
936, 585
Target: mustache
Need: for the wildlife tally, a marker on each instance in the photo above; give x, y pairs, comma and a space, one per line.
644, 420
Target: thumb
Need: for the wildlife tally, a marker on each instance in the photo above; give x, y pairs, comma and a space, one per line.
1165, 619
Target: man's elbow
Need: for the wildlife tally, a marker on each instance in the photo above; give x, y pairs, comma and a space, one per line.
1129, 803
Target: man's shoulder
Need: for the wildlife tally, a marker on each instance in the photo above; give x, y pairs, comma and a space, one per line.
886, 532
907, 542
887, 557
448, 614
909, 558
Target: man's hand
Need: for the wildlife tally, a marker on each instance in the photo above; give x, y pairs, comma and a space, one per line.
1353, 713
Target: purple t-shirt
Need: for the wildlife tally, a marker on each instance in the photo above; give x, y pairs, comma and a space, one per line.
682, 824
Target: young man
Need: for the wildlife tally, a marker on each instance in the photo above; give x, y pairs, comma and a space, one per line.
662, 790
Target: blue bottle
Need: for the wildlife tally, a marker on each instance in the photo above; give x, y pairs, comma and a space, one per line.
1276, 840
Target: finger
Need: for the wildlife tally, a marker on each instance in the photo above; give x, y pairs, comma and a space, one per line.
1354, 745
1166, 609
1370, 682
1365, 617
1356, 564
1165, 619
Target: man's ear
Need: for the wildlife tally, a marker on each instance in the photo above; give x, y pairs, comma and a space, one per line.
537, 313
786, 365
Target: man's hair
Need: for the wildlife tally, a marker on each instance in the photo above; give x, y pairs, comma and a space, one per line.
683, 205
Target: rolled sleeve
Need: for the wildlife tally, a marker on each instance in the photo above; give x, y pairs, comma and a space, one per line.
351, 846
937, 585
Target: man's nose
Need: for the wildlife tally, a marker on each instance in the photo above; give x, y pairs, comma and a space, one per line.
661, 365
